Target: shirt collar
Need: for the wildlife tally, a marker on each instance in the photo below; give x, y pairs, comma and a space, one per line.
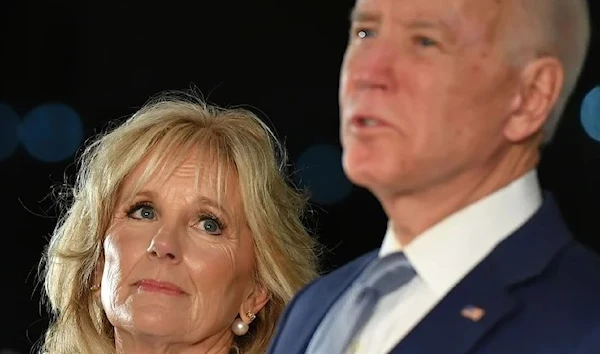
443, 254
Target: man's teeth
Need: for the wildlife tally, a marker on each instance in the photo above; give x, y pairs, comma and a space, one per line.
369, 122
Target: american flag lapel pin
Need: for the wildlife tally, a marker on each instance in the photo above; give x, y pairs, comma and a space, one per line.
472, 313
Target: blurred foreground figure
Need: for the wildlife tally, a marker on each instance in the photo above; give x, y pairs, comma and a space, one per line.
444, 106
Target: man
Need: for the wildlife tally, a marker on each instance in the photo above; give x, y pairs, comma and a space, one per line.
444, 106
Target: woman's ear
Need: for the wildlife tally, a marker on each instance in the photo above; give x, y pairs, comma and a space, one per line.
255, 302
97, 276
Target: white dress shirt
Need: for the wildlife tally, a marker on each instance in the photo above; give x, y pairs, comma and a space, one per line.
442, 256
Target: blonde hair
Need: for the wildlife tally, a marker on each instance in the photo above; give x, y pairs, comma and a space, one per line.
286, 256
558, 28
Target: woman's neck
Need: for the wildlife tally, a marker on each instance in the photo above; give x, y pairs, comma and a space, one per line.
127, 343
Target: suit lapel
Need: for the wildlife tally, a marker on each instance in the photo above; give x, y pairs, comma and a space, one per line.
453, 327
314, 304
461, 318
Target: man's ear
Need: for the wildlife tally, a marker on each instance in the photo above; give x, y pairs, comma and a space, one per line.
541, 82
254, 302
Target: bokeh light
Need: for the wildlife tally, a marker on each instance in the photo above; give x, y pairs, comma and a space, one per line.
9, 351
9, 131
319, 169
590, 113
51, 132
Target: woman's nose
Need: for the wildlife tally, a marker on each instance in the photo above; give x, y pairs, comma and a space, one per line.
165, 244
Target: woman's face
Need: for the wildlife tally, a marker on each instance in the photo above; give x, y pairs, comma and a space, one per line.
178, 266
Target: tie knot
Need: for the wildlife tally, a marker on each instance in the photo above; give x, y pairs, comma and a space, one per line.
388, 273
353, 310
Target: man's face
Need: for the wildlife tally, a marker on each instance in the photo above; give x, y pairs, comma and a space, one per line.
425, 91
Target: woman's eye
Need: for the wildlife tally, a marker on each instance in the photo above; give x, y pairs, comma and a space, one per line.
211, 226
142, 212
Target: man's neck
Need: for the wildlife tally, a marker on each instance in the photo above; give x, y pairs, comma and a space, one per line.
412, 214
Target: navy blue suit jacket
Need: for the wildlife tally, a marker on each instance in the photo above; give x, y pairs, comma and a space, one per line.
540, 290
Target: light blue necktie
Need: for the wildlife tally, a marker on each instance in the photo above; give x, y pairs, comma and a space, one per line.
350, 313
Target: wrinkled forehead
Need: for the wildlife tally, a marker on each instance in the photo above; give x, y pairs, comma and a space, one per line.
210, 171
464, 18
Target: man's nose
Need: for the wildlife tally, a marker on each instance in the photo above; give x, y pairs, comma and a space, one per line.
371, 66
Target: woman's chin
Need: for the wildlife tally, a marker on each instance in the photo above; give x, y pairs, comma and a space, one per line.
152, 322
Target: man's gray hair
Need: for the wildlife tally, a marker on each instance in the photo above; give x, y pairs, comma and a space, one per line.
559, 28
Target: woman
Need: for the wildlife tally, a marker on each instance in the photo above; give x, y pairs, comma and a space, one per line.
182, 236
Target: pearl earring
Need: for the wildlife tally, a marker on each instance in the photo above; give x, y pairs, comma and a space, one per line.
239, 327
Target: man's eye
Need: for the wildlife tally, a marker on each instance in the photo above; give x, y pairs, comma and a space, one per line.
364, 33
425, 41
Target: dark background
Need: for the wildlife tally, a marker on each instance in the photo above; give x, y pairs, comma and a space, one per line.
105, 60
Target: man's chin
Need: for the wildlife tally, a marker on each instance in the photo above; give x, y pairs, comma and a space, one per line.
367, 170
361, 176
380, 182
